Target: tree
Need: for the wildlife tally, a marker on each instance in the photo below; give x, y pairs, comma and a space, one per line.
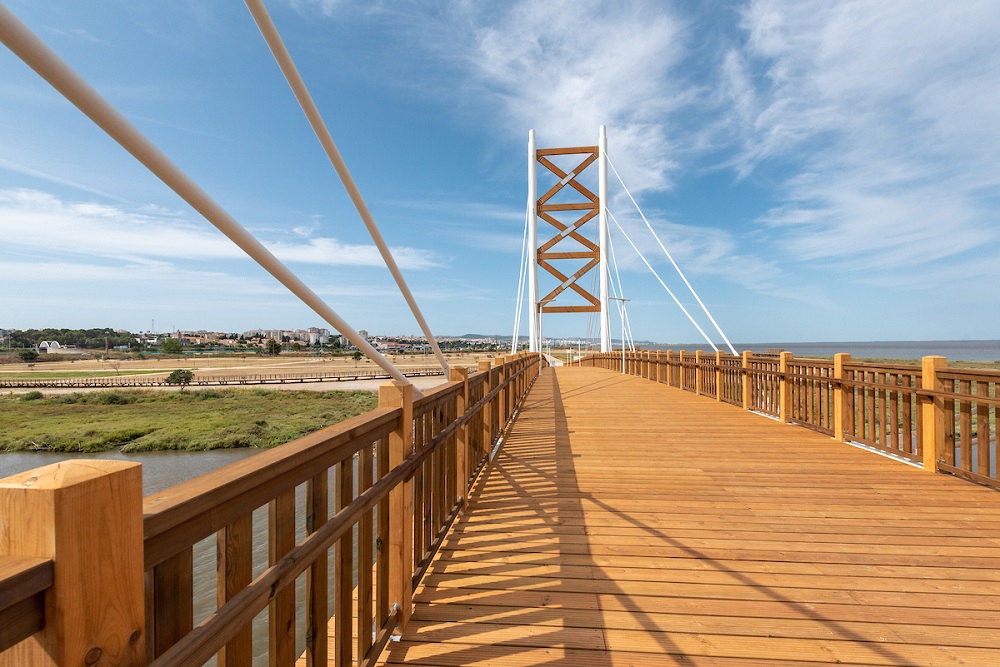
27, 354
171, 346
357, 357
180, 377
272, 347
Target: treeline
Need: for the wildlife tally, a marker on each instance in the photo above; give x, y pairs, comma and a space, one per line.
91, 339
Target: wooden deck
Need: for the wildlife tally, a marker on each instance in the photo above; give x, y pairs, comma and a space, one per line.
629, 523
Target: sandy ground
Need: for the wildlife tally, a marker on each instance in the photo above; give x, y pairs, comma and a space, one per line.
249, 365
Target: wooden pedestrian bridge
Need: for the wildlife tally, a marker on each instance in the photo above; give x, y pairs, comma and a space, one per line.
691, 510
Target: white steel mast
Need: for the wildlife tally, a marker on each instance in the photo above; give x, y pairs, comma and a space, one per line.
533, 322
602, 166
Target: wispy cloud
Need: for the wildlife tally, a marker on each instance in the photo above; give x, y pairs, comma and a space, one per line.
81, 34
884, 111
30, 219
565, 67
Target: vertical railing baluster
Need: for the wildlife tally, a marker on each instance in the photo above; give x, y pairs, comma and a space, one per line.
281, 609
365, 557
234, 570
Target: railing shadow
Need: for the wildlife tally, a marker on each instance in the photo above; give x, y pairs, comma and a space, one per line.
513, 605
531, 617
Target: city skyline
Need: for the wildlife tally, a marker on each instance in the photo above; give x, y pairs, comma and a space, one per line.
820, 171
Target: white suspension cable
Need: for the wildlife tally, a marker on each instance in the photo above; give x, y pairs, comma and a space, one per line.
670, 257
653, 271
298, 86
33, 51
622, 310
628, 330
617, 295
522, 277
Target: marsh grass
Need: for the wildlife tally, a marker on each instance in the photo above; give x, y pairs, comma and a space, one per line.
143, 420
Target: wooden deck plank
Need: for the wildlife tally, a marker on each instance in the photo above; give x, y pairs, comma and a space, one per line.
629, 523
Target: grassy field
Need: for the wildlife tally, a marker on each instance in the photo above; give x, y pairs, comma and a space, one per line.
138, 420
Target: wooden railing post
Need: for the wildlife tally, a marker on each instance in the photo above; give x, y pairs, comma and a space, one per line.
87, 517
932, 410
840, 395
784, 387
395, 395
499, 363
697, 372
747, 383
462, 437
682, 355
486, 413
718, 375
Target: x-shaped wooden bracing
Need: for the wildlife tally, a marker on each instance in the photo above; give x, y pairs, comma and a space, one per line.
589, 210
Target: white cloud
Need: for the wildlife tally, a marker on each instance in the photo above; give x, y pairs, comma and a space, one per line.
565, 67
31, 220
888, 113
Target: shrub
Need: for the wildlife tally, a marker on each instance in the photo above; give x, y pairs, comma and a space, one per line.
31, 396
180, 377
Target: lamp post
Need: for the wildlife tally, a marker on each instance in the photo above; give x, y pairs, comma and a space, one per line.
622, 313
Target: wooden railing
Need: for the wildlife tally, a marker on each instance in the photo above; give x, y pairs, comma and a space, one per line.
398, 476
942, 418
213, 379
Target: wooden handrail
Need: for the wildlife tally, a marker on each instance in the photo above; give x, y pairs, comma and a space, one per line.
204, 641
22, 607
176, 518
470, 412
884, 406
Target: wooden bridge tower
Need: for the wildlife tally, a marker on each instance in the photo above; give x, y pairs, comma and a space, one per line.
574, 248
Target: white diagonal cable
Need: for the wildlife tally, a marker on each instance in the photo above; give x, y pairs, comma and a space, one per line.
522, 276
621, 292
28, 47
667, 253
653, 271
298, 86
617, 293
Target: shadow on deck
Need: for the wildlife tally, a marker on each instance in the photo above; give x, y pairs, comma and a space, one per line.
629, 523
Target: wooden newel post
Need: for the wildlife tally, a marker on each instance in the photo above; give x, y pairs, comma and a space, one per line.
784, 387
462, 437
87, 517
718, 375
747, 382
932, 413
697, 372
841, 394
499, 363
486, 412
400, 395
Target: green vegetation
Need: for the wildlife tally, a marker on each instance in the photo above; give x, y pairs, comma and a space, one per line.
272, 347
144, 420
27, 354
92, 339
180, 376
171, 346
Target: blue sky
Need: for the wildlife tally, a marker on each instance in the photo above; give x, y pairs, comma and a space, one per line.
820, 170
